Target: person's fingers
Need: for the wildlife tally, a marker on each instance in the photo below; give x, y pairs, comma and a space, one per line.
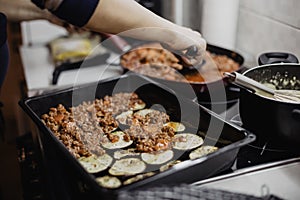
185, 39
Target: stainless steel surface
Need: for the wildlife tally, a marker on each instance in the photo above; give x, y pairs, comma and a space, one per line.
279, 178
281, 95
244, 81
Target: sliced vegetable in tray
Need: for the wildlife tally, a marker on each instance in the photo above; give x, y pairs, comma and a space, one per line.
149, 141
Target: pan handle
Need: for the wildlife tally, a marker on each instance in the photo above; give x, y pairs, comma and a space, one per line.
276, 57
296, 114
119, 42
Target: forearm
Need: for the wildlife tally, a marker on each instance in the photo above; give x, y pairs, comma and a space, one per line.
116, 16
20, 10
131, 19
126, 17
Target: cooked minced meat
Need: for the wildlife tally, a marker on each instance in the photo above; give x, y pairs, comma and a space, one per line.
149, 132
84, 127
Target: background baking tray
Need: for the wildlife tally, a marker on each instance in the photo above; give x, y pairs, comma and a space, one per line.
68, 172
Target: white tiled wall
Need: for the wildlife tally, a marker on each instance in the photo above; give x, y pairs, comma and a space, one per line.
269, 25
263, 25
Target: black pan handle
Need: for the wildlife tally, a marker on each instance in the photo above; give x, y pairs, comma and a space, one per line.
89, 62
277, 57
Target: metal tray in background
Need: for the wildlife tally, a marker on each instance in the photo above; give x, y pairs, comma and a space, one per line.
67, 171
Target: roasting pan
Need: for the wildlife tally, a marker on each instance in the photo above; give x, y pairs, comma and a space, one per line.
67, 171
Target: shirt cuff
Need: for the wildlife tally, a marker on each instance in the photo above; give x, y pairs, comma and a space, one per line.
76, 12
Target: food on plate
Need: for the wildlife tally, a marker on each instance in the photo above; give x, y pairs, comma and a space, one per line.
177, 126
126, 152
202, 151
169, 165
137, 178
118, 140
110, 182
157, 158
186, 141
95, 164
127, 166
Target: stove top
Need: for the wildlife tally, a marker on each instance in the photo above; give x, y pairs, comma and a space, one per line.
260, 151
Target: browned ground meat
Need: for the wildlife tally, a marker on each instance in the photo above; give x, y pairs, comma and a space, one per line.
156, 62
224, 63
148, 132
83, 128
61, 122
150, 55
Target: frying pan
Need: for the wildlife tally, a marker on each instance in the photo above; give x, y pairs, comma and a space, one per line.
200, 90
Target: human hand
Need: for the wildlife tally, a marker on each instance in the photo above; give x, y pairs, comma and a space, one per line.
182, 40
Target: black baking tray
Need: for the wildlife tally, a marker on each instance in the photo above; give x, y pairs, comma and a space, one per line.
66, 169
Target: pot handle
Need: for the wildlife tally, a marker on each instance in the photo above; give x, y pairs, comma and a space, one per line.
296, 114
277, 57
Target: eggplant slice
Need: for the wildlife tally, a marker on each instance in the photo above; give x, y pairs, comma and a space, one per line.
169, 165
202, 151
122, 118
139, 106
144, 112
127, 152
157, 158
121, 143
177, 126
186, 141
94, 164
110, 182
138, 178
127, 166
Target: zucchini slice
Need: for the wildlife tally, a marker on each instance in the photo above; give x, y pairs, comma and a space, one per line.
186, 141
157, 158
144, 112
138, 178
122, 118
127, 166
169, 165
127, 152
202, 151
109, 182
177, 126
139, 106
120, 143
94, 164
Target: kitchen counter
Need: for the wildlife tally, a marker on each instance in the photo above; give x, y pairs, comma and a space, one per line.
38, 66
